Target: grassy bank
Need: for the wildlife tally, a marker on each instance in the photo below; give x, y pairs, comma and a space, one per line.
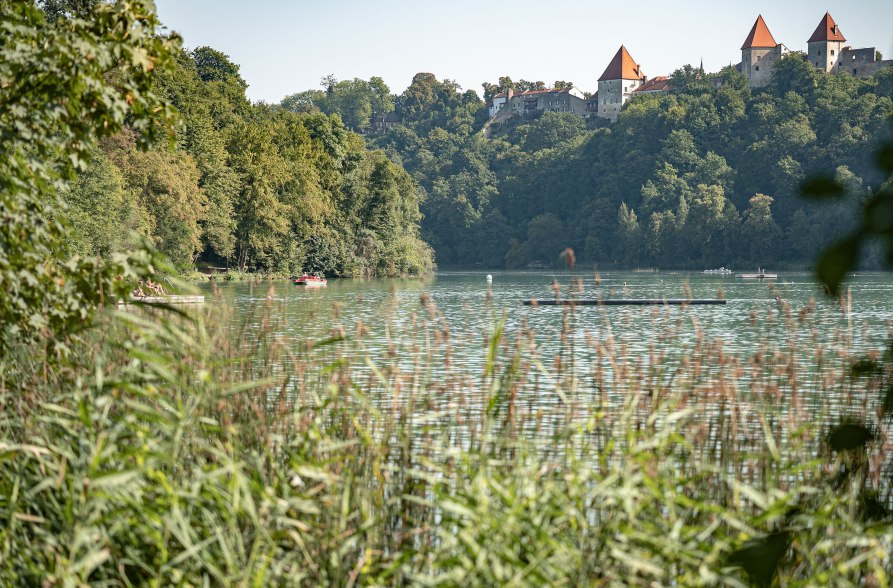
172, 450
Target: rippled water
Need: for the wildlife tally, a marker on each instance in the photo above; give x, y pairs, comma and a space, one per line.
787, 322
754, 315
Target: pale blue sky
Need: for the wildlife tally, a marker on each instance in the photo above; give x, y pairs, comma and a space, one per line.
287, 46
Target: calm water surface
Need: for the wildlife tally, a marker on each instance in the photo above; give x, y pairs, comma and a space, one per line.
780, 313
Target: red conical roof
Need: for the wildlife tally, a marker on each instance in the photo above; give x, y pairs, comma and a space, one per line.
827, 31
759, 36
622, 67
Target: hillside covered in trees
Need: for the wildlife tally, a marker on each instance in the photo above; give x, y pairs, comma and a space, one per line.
248, 186
699, 177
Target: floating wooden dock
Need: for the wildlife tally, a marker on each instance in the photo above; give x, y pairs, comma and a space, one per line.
630, 302
172, 299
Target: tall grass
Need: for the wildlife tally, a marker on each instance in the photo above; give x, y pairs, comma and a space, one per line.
173, 451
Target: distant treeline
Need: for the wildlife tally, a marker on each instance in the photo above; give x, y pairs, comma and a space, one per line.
249, 186
698, 177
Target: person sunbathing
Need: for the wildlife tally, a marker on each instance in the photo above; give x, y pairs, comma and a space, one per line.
155, 288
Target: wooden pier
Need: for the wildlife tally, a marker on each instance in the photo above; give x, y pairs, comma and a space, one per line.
630, 302
168, 299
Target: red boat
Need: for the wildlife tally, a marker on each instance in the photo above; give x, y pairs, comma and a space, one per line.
308, 280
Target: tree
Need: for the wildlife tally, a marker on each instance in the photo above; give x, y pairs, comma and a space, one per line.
628, 246
262, 224
101, 212
792, 73
67, 81
215, 66
524, 85
690, 79
760, 230
306, 101
165, 184
553, 129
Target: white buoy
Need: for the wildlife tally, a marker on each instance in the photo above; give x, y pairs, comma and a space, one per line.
489, 278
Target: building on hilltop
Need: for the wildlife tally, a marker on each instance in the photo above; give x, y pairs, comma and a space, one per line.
621, 78
508, 104
382, 122
825, 51
828, 53
498, 102
826, 45
656, 85
759, 53
624, 78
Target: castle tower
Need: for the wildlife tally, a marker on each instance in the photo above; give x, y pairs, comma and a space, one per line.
825, 45
622, 76
758, 53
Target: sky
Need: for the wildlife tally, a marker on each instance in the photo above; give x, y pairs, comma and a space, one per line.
283, 47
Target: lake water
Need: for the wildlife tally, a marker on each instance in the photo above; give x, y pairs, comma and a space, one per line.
468, 307
777, 340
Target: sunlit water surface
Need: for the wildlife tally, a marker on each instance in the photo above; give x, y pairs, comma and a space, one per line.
753, 318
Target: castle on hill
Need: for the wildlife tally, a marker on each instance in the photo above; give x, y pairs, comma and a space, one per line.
624, 78
826, 51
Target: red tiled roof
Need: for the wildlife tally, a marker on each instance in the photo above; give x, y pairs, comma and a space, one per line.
622, 67
759, 36
827, 31
655, 84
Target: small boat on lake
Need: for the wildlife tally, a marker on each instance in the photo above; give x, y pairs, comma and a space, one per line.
310, 281
720, 272
760, 275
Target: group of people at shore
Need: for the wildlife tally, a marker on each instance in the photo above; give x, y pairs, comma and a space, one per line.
154, 289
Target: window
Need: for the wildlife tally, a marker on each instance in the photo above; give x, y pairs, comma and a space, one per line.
820, 52
758, 68
854, 71
832, 53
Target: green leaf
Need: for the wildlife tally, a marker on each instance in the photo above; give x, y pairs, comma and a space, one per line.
760, 557
879, 213
871, 508
836, 260
864, 367
849, 436
113, 479
821, 188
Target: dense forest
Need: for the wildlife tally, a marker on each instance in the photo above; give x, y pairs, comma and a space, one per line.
703, 176
700, 177
248, 186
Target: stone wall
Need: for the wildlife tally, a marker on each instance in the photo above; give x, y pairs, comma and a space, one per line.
550, 101
756, 64
860, 62
825, 55
612, 95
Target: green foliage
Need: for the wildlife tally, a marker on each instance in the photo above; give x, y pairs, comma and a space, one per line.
355, 101
63, 84
261, 188
171, 450
843, 256
102, 215
687, 163
214, 66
